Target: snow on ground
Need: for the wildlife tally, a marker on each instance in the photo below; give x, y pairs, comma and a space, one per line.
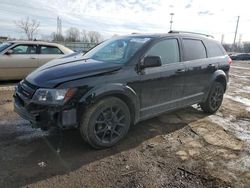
242, 100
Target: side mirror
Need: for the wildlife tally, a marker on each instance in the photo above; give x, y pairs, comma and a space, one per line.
151, 61
9, 52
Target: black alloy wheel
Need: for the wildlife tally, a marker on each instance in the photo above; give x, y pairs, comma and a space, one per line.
105, 123
109, 124
215, 98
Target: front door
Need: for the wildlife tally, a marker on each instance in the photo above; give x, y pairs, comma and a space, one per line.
162, 87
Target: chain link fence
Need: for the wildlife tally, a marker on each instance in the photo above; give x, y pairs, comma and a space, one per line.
78, 46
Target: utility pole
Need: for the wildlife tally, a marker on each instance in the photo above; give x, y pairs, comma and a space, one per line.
171, 21
222, 38
240, 39
59, 27
236, 30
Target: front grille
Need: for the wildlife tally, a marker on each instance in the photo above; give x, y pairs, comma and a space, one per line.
18, 100
26, 89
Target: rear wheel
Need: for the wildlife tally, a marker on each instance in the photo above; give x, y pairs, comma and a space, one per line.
105, 123
214, 100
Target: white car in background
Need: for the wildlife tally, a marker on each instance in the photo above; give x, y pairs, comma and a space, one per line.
19, 58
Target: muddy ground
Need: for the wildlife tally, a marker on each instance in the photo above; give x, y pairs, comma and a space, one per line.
186, 148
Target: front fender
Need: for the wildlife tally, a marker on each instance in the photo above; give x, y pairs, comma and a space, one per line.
115, 89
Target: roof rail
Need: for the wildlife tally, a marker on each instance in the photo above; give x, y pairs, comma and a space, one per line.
173, 31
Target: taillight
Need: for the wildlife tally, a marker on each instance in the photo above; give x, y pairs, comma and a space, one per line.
230, 61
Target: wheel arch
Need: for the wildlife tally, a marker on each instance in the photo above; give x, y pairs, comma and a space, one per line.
222, 80
121, 91
220, 76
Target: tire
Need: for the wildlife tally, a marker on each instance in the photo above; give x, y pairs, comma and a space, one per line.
105, 123
214, 99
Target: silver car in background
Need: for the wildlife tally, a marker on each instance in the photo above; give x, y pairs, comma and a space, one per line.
19, 58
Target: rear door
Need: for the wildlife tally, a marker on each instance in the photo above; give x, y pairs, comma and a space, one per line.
162, 87
48, 53
18, 64
199, 69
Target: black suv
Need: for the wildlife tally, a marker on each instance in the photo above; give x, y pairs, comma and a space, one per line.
123, 81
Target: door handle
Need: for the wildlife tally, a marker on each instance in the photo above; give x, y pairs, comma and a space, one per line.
180, 71
32, 58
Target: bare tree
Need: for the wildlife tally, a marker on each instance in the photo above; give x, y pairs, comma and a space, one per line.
227, 47
84, 37
94, 37
247, 47
73, 35
57, 37
28, 26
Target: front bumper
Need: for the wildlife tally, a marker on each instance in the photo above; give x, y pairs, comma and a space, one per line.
20, 110
44, 116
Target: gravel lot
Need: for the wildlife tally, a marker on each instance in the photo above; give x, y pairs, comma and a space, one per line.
186, 148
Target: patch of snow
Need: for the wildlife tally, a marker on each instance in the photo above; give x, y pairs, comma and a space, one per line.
29, 133
239, 127
237, 67
32, 135
13, 122
245, 89
23, 129
239, 76
239, 99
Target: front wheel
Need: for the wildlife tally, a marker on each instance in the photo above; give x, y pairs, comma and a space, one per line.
105, 123
214, 100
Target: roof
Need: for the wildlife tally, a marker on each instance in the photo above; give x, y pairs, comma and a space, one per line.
34, 42
173, 33
61, 47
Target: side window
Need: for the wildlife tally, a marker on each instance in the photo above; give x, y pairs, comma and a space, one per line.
50, 50
167, 49
24, 49
214, 49
193, 49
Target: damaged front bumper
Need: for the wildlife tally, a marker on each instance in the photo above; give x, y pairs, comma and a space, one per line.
44, 116
20, 110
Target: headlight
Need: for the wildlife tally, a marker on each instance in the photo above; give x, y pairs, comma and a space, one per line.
53, 96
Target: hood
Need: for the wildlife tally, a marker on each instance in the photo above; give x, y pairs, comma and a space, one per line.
62, 70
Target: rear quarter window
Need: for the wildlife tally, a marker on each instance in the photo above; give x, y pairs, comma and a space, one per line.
214, 49
50, 50
193, 49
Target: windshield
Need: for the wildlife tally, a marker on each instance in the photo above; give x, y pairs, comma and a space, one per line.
117, 50
4, 46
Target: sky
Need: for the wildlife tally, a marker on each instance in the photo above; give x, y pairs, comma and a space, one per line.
121, 17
